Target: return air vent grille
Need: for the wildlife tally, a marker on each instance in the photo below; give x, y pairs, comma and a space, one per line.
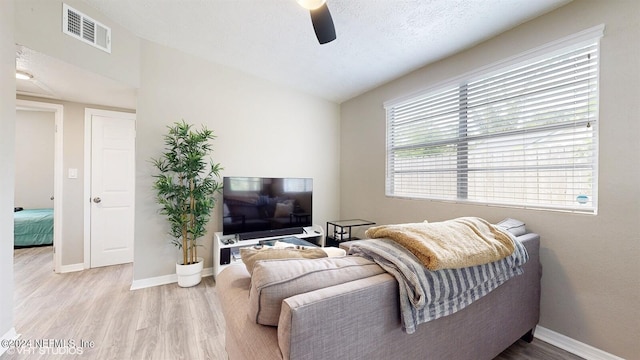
84, 28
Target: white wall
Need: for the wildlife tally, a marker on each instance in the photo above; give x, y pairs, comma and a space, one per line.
35, 18
7, 140
38, 26
248, 115
35, 143
262, 129
590, 284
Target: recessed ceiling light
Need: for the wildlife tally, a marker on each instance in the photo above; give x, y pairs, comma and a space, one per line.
21, 75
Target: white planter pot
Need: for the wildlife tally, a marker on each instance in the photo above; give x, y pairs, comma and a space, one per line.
189, 275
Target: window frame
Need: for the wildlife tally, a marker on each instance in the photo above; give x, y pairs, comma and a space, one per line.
461, 83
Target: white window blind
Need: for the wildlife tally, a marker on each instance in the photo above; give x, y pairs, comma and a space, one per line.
524, 135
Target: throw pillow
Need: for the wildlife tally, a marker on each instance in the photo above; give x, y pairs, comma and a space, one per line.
251, 255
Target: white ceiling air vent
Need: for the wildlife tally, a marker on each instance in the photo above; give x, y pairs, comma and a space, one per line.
82, 27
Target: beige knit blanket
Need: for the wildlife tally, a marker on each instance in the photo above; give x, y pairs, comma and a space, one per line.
451, 244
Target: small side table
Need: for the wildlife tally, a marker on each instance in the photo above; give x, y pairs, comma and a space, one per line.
342, 230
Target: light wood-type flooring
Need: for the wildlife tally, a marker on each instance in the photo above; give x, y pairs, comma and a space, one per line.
162, 322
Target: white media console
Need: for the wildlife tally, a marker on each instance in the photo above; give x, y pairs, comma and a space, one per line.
226, 247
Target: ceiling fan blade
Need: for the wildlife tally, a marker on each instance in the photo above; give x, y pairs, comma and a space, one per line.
323, 24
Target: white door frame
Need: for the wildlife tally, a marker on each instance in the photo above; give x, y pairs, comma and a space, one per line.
58, 111
88, 113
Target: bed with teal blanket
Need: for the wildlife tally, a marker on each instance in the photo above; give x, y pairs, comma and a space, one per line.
33, 227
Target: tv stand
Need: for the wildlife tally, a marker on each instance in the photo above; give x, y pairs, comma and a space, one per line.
224, 249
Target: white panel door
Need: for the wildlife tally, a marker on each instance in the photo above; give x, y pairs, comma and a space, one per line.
112, 189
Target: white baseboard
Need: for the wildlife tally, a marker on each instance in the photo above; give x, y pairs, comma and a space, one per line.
573, 346
10, 335
163, 280
71, 268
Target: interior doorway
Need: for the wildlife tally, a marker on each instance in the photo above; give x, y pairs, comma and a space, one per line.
57, 110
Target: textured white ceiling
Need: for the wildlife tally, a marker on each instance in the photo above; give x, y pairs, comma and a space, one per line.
378, 40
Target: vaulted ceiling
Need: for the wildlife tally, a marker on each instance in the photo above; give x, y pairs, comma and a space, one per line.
377, 40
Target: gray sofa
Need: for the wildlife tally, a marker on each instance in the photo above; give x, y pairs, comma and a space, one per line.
360, 320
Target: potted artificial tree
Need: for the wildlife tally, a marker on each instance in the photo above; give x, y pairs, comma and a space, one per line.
185, 187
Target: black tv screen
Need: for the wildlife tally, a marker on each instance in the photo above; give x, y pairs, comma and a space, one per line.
257, 207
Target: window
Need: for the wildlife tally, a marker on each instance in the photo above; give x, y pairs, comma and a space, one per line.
523, 134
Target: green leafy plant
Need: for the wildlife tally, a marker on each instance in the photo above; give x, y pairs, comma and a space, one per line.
186, 185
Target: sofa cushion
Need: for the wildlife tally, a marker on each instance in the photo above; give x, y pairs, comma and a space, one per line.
275, 280
251, 255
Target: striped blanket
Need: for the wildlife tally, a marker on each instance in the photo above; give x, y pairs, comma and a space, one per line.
427, 295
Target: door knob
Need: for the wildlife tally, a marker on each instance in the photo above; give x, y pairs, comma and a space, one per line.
96, 199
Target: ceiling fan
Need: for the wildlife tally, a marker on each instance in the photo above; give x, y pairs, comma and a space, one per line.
321, 19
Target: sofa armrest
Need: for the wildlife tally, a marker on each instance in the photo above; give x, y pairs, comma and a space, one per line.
315, 325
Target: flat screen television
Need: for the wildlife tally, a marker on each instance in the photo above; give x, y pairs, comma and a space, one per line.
256, 207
